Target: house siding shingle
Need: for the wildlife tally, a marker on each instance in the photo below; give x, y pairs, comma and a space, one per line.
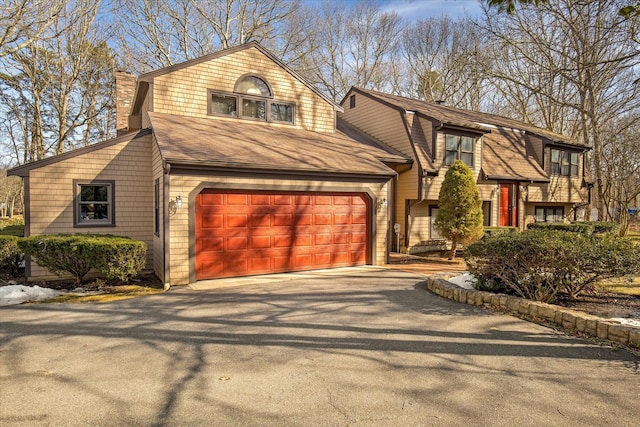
51, 193
184, 91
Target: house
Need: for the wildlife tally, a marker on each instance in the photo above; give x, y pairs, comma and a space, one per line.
524, 173
233, 165
227, 165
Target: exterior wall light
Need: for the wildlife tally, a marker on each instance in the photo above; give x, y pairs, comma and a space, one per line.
178, 202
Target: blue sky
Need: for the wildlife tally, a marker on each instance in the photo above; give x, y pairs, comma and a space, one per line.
421, 9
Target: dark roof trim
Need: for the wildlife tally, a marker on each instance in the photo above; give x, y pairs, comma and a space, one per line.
516, 178
574, 147
480, 130
141, 92
26, 168
231, 169
148, 77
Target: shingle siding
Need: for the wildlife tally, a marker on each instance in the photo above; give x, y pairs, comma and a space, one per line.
51, 193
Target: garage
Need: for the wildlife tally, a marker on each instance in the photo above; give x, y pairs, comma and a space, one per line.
241, 233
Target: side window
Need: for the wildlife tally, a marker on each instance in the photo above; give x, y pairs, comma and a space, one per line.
549, 214
564, 162
458, 147
94, 203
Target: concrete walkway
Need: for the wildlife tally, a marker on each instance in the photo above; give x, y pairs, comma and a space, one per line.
365, 347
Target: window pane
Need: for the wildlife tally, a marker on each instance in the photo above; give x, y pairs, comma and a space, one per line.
94, 211
282, 113
253, 86
221, 104
450, 156
555, 156
539, 214
467, 158
94, 193
253, 108
466, 144
451, 142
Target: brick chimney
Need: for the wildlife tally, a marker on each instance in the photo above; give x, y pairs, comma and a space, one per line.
125, 89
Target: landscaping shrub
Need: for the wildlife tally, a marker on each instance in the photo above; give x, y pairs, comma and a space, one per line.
494, 231
116, 257
539, 265
77, 254
12, 227
10, 255
575, 227
601, 227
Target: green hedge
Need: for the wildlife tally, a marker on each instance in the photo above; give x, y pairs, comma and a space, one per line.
540, 264
12, 227
576, 227
10, 255
77, 254
494, 231
584, 227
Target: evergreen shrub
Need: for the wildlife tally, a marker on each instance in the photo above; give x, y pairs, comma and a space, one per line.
540, 265
76, 254
10, 255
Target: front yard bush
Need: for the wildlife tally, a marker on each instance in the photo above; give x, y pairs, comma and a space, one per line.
10, 255
77, 254
12, 227
539, 265
575, 227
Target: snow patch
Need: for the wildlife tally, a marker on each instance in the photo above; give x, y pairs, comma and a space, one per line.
466, 281
628, 322
17, 294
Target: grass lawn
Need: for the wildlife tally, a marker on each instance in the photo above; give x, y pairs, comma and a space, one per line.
107, 294
624, 285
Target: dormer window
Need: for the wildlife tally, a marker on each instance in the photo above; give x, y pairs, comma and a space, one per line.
458, 147
251, 99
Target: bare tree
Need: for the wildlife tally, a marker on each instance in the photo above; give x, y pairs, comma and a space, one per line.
570, 65
56, 89
22, 22
355, 47
153, 34
446, 61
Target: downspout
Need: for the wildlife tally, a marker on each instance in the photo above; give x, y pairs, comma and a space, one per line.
166, 256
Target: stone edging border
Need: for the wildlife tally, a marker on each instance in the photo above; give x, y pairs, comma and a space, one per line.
572, 320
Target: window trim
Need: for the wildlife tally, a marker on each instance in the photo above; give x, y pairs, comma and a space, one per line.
459, 151
111, 201
556, 167
545, 207
239, 107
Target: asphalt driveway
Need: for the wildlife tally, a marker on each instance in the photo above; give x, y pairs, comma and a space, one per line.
363, 347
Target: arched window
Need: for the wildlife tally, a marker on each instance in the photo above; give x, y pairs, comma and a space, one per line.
252, 98
252, 85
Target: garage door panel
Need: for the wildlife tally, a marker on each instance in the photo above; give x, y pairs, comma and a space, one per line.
243, 233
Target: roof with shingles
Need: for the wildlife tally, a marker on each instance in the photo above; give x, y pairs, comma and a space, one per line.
504, 156
210, 142
474, 120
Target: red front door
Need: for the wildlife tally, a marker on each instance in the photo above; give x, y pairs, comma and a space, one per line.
240, 233
508, 205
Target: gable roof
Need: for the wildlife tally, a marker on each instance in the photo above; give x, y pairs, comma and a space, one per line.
468, 119
24, 170
144, 79
214, 143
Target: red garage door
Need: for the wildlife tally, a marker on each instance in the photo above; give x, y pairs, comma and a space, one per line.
244, 233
